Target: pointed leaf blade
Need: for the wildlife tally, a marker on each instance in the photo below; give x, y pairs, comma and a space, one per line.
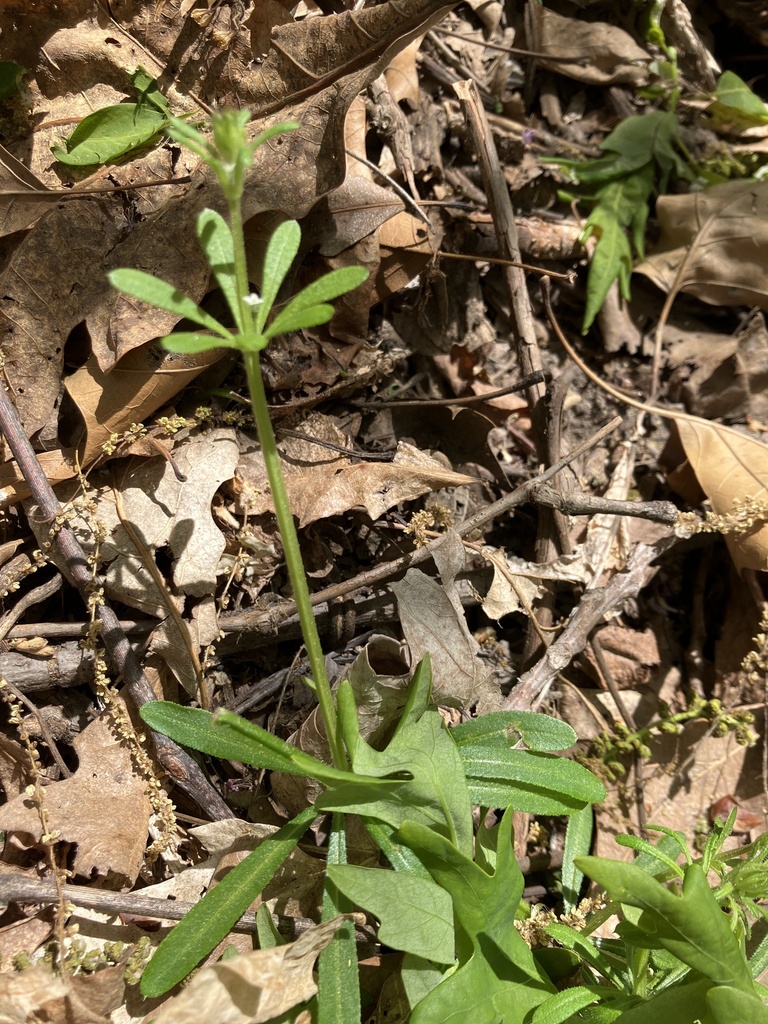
159, 293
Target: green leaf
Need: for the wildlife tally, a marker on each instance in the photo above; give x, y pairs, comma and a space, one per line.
600, 960
506, 728
11, 74
213, 917
436, 793
620, 204
232, 738
534, 782
276, 129
110, 133
216, 242
419, 977
691, 926
415, 915
267, 935
733, 1006
736, 105
159, 293
298, 320
338, 994
681, 1003
148, 91
498, 978
399, 856
189, 341
643, 846
281, 252
560, 1007
324, 289
578, 841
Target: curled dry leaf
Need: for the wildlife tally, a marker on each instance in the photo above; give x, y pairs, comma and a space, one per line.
722, 233
610, 55
434, 622
730, 467
253, 988
38, 994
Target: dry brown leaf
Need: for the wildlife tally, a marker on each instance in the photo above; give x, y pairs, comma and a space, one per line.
433, 622
728, 226
38, 994
23, 197
103, 809
23, 937
407, 248
611, 55
145, 380
730, 467
402, 75
254, 988
321, 483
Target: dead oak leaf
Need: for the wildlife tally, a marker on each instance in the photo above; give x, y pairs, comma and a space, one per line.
38, 994
730, 468
321, 484
103, 809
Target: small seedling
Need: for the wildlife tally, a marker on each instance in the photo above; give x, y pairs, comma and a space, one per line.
112, 133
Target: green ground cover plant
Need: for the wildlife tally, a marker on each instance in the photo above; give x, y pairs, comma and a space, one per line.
446, 895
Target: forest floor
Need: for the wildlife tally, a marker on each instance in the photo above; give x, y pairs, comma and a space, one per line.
562, 211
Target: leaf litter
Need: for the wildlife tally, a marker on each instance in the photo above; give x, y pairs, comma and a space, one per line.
84, 370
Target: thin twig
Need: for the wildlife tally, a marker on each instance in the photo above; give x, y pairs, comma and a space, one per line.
573, 504
503, 217
389, 570
531, 688
20, 889
33, 597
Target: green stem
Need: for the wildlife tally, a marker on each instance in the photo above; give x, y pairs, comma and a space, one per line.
293, 556
241, 268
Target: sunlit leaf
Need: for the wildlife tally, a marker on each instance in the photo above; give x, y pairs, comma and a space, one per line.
159, 293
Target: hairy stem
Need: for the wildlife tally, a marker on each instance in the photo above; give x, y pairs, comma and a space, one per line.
293, 556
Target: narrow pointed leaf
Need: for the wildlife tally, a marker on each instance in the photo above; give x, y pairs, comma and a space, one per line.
216, 242
298, 319
190, 341
280, 254
506, 728
211, 919
159, 293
